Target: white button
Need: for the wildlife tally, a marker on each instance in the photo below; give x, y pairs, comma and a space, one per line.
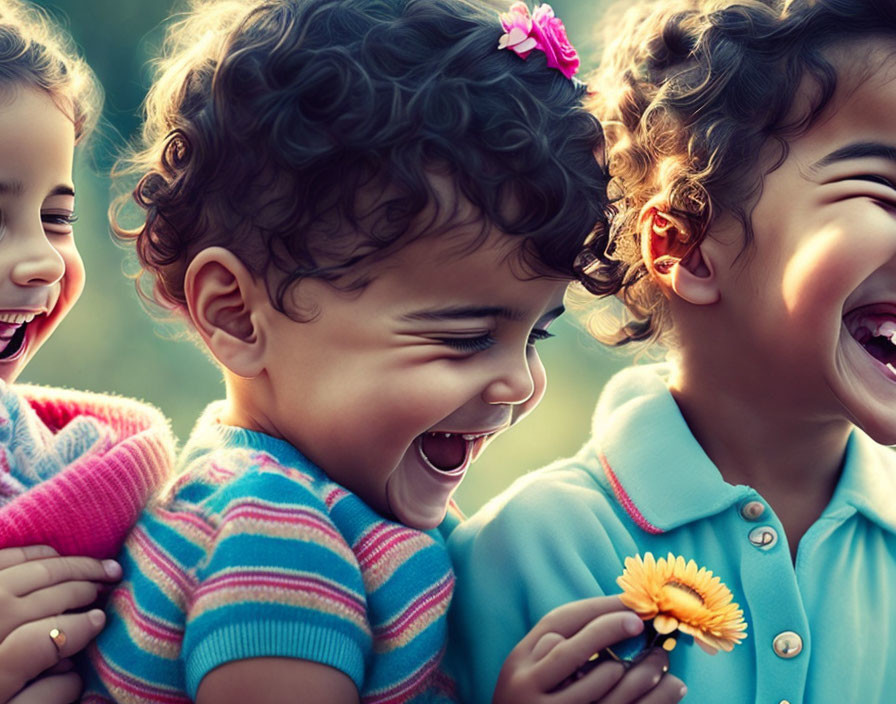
763, 537
784, 701
787, 645
752, 510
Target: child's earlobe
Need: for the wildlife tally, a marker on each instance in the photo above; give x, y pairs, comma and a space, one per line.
221, 295
674, 258
692, 278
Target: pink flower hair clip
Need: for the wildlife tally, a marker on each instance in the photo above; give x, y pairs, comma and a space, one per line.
541, 30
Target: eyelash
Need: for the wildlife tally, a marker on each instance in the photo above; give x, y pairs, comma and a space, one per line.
55, 219
470, 344
483, 342
538, 335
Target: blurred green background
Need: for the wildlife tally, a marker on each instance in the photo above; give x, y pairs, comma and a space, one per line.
109, 344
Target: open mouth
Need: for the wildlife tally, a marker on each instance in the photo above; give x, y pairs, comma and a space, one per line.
874, 328
450, 453
12, 338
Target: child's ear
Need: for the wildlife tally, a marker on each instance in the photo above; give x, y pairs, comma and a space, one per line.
674, 259
224, 299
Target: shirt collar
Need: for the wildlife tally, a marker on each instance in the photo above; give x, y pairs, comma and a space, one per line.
868, 481
655, 466
663, 478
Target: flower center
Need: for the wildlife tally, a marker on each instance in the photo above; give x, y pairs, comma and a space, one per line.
681, 596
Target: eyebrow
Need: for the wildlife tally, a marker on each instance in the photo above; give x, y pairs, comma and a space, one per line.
858, 150
12, 188
16, 187
62, 191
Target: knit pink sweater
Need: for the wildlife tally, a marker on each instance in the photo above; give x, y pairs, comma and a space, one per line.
83, 501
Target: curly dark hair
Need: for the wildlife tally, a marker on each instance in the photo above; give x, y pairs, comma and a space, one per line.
269, 122
698, 100
34, 52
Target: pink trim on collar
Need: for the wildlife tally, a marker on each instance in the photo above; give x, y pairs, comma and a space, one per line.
626, 500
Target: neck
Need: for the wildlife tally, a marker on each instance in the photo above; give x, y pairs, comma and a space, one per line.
240, 407
758, 436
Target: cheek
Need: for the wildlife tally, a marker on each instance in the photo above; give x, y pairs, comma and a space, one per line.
821, 275
75, 274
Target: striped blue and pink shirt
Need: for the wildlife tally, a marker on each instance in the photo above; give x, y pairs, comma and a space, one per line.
255, 552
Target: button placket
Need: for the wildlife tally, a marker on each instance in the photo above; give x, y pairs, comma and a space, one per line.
770, 587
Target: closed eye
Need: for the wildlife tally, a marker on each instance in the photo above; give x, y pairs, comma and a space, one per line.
60, 222
59, 219
874, 178
469, 344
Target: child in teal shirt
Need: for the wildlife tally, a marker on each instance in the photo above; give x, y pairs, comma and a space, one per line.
754, 146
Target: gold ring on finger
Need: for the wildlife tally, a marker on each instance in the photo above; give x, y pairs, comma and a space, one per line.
57, 635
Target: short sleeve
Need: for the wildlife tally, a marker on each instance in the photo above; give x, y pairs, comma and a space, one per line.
279, 580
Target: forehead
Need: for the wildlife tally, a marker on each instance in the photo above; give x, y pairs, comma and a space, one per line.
36, 139
863, 106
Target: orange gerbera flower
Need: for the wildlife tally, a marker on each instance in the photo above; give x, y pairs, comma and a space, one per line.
678, 595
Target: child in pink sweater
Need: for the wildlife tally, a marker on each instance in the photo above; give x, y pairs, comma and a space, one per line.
75, 468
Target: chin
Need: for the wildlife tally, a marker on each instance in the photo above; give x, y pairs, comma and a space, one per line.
882, 431
417, 519
873, 416
10, 371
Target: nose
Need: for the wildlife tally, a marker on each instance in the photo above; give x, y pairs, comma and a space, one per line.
37, 262
512, 384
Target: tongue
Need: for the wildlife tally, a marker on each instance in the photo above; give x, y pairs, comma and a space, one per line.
444, 453
7, 330
12, 344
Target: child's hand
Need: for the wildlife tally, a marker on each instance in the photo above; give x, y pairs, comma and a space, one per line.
57, 687
36, 587
564, 640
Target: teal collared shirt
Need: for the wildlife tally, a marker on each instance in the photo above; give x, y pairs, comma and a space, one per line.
820, 632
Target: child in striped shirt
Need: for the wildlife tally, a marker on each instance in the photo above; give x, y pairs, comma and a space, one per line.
368, 211
76, 468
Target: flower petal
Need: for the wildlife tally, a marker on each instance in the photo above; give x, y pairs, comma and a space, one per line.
665, 624
527, 45
678, 594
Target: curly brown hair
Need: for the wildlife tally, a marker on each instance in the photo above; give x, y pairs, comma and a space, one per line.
34, 52
685, 98
697, 98
270, 120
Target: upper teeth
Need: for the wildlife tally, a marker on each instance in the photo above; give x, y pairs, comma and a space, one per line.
17, 318
887, 329
465, 436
